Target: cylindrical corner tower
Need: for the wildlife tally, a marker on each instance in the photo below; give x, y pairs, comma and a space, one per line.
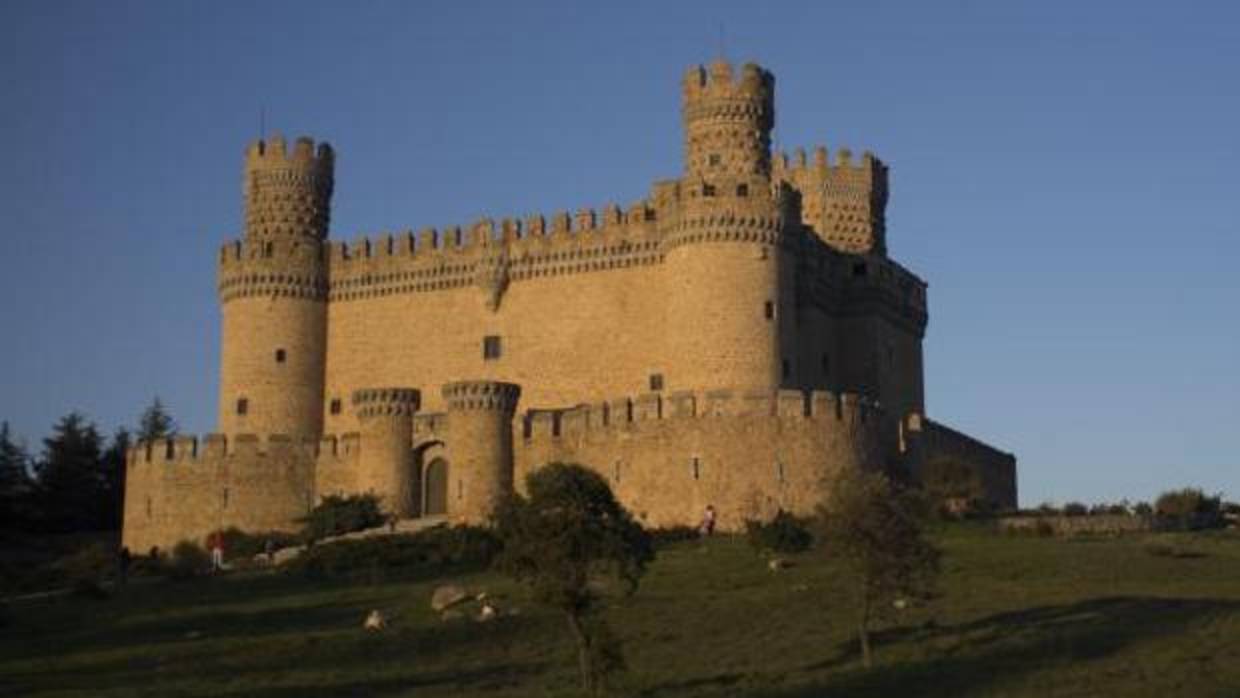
385, 460
273, 292
723, 246
479, 446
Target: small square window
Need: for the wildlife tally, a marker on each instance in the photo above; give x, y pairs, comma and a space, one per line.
859, 269
769, 310
335, 406
280, 356
656, 382
708, 190
243, 405
714, 159
742, 190
491, 347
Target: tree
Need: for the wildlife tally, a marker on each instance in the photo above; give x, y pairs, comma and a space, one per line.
875, 529
156, 422
114, 475
567, 532
14, 479
73, 488
1191, 507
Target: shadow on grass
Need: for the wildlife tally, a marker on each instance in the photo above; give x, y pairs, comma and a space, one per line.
978, 656
303, 664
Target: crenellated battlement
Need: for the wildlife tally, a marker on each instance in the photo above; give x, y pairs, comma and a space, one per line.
629, 413
217, 448
493, 253
279, 267
386, 402
274, 154
845, 202
474, 395
716, 91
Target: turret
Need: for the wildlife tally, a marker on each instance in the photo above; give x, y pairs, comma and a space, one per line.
727, 121
288, 194
724, 261
479, 439
273, 287
385, 461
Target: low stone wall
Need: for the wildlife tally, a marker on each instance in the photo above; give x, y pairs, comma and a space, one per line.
1105, 524
1064, 526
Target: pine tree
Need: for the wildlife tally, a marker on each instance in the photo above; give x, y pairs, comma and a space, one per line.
156, 422
72, 485
14, 480
114, 475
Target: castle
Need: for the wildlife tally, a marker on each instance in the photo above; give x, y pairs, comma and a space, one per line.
729, 340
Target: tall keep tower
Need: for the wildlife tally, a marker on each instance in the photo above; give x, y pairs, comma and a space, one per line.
724, 267
273, 292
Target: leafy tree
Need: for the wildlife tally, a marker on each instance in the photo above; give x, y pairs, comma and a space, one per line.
568, 531
73, 487
875, 529
1191, 507
14, 479
156, 422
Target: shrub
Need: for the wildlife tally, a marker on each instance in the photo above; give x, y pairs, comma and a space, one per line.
783, 534
336, 515
1075, 509
1143, 509
86, 568
662, 537
239, 544
1189, 508
188, 560
372, 558
1043, 529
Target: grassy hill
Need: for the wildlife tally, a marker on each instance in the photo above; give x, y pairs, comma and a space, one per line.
1140, 616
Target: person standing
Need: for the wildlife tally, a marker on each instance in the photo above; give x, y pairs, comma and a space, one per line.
216, 542
708, 521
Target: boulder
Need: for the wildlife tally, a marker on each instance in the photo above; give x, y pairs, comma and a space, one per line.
283, 555
448, 595
778, 563
374, 621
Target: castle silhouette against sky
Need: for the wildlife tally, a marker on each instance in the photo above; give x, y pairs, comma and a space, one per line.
730, 340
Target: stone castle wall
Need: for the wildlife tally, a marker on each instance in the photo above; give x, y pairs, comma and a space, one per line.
183, 488
995, 469
746, 454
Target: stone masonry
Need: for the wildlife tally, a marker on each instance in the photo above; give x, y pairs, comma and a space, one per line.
731, 339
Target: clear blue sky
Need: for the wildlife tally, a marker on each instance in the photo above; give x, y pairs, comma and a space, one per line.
1065, 176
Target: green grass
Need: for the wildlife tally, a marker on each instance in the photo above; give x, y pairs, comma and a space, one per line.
1017, 617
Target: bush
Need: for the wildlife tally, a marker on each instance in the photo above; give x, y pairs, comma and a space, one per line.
1143, 509
188, 560
1043, 529
662, 537
1075, 509
373, 558
86, 569
783, 534
337, 515
1189, 508
241, 545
